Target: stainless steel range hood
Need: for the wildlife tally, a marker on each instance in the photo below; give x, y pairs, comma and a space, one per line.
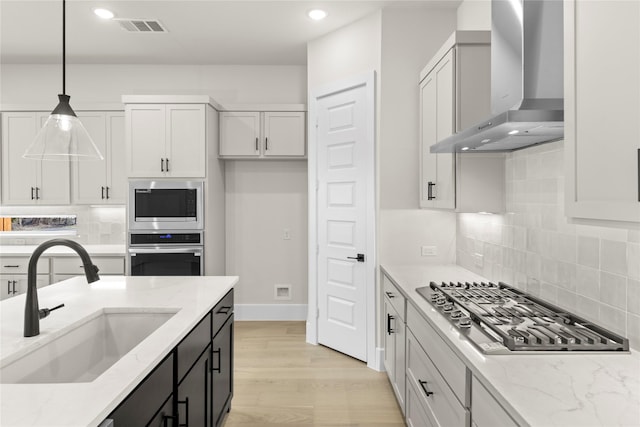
527, 99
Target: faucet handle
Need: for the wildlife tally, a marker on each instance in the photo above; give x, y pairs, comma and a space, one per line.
46, 311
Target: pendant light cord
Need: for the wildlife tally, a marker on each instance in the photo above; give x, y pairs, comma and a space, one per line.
64, 52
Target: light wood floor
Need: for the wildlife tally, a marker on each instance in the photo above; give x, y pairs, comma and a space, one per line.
282, 381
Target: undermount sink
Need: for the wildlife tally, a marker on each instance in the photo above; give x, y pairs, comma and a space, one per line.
87, 350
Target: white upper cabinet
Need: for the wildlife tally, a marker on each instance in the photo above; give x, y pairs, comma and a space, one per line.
27, 181
602, 126
166, 140
454, 95
269, 134
102, 182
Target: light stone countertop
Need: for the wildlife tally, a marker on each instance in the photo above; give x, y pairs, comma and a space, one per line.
87, 404
93, 250
542, 389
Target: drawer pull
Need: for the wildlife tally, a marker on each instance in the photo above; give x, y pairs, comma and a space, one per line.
218, 369
390, 294
11, 266
423, 384
389, 319
225, 309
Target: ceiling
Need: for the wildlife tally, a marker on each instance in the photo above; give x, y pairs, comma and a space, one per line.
199, 31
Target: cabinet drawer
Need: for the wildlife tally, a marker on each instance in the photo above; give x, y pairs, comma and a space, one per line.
417, 415
192, 346
446, 362
141, 405
425, 378
221, 312
485, 410
73, 265
396, 299
20, 265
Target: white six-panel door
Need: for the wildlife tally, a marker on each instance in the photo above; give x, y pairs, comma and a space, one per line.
343, 142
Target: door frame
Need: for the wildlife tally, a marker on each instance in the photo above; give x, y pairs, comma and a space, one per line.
368, 80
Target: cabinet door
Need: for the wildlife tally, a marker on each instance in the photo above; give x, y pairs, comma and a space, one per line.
54, 178
18, 174
428, 137
186, 141
394, 353
284, 134
193, 394
117, 154
602, 131
221, 372
145, 140
90, 177
240, 134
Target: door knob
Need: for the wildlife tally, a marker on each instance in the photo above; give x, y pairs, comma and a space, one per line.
359, 257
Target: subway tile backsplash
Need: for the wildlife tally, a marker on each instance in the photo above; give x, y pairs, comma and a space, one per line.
589, 267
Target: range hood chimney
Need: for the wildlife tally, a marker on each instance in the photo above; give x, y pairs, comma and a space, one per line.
527, 98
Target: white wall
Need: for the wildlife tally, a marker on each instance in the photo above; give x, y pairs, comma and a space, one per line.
272, 194
38, 84
474, 15
410, 37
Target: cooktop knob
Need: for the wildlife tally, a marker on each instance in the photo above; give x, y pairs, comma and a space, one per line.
464, 322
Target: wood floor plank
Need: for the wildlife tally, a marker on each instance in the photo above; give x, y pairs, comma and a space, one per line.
280, 380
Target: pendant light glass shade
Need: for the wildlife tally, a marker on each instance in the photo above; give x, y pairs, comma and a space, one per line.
63, 137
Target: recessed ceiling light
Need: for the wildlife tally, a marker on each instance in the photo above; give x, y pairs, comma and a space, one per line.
104, 13
465, 148
484, 141
513, 132
317, 14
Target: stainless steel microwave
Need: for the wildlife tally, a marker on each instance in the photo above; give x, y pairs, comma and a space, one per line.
166, 205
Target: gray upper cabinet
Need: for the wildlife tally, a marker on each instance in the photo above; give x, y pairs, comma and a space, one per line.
602, 107
454, 95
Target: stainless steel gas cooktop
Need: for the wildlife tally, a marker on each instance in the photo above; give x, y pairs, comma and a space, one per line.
499, 319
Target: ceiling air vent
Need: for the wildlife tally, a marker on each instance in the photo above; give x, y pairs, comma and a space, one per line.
141, 25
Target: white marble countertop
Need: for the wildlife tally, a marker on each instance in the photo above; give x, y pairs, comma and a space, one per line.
87, 404
93, 250
537, 390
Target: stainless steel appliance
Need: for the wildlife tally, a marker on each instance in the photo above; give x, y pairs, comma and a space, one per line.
164, 253
527, 91
499, 319
166, 205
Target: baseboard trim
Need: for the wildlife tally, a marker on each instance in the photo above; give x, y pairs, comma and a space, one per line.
270, 311
378, 363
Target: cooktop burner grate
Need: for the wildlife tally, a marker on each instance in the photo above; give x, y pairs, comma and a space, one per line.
517, 320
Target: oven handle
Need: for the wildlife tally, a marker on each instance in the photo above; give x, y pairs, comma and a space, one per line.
195, 251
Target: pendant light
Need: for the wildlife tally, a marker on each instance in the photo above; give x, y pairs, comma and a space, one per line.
63, 137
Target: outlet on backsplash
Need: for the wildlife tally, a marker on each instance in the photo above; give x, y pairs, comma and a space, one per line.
429, 251
478, 260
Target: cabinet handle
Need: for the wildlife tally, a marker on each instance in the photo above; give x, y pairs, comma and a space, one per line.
218, 352
430, 186
186, 410
266, 143
37, 193
225, 309
102, 192
11, 266
32, 193
423, 384
256, 143
13, 286
161, 165
107, 192
8, 287
166, 418
390, 294
389, 319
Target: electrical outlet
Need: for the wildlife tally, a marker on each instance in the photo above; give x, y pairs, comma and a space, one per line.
286, 235
19, 241
429, 251
282, 292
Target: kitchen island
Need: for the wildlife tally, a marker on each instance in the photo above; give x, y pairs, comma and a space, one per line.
89, 403
532, 389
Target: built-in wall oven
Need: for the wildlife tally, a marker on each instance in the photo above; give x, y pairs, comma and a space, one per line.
162, 253
166, 205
